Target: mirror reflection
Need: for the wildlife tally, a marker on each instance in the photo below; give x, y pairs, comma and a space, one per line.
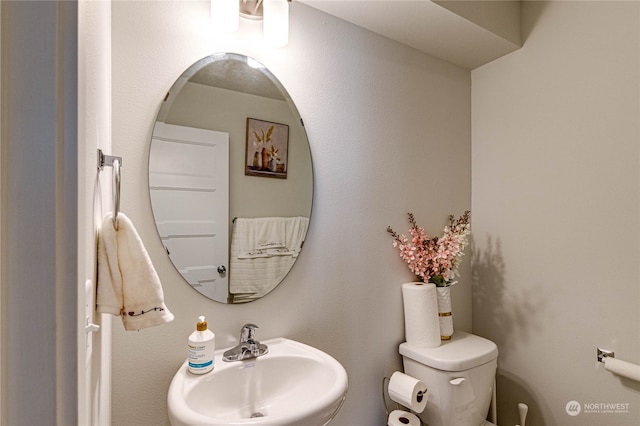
230, 178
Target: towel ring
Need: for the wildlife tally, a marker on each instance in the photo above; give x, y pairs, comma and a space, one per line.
116, 163
116, 191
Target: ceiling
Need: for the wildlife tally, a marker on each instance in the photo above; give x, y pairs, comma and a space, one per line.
466, 33
235, 73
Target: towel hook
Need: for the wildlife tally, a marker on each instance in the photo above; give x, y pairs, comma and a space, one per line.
115, 162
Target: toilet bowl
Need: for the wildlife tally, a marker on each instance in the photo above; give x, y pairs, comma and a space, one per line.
460, 377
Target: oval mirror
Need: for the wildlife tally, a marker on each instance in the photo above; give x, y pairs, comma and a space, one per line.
230, 178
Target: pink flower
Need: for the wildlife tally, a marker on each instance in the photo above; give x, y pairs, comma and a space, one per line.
434, 259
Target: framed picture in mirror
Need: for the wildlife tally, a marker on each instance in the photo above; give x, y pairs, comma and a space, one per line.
267, 149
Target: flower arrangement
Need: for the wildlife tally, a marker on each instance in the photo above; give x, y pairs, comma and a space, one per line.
265, 157
263, 138
273, 153
436, 259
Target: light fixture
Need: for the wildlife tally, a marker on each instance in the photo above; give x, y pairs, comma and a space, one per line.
275, 26
273, 13
224, 15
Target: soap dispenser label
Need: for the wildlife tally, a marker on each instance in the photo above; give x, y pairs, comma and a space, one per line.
200, 365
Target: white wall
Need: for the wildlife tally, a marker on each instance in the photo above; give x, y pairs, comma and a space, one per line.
556, 193
95, 199
390, 133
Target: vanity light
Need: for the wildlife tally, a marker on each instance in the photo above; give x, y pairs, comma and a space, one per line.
275, 27
224, 15
273, 13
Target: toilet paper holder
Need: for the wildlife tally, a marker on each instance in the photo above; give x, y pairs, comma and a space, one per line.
384, 399
386, 380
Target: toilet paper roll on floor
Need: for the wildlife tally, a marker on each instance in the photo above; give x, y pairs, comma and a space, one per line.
408, 392
421, 323
402, 418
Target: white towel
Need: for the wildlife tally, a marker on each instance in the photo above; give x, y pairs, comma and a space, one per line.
128, 285
262, 233
255, 269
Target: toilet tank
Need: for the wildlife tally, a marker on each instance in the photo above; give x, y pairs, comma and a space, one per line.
459, 375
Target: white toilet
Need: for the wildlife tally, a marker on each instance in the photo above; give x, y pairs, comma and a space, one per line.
459, 375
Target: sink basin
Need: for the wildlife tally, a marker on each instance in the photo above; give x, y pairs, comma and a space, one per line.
293, 384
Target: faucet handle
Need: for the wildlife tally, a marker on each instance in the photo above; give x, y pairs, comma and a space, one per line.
248, 332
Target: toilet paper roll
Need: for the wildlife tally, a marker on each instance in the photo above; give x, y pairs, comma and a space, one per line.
402, 418
421, 323
408, 392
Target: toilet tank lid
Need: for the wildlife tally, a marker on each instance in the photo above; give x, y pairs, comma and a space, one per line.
462, 352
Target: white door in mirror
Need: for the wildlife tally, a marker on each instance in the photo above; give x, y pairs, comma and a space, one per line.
191, 209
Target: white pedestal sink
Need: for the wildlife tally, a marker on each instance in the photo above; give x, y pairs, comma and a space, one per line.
293, 384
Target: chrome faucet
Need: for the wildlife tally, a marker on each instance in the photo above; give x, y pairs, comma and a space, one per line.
248, 347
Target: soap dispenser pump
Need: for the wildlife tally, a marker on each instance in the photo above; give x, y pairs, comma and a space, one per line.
202, 347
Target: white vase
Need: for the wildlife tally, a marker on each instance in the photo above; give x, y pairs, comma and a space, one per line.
444, 312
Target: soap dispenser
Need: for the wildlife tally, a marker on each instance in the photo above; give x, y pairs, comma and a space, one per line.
202, 346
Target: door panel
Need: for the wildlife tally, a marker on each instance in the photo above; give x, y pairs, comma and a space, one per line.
191, 209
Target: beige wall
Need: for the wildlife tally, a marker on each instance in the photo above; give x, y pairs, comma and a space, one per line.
556, 192
390, 133
200, 106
